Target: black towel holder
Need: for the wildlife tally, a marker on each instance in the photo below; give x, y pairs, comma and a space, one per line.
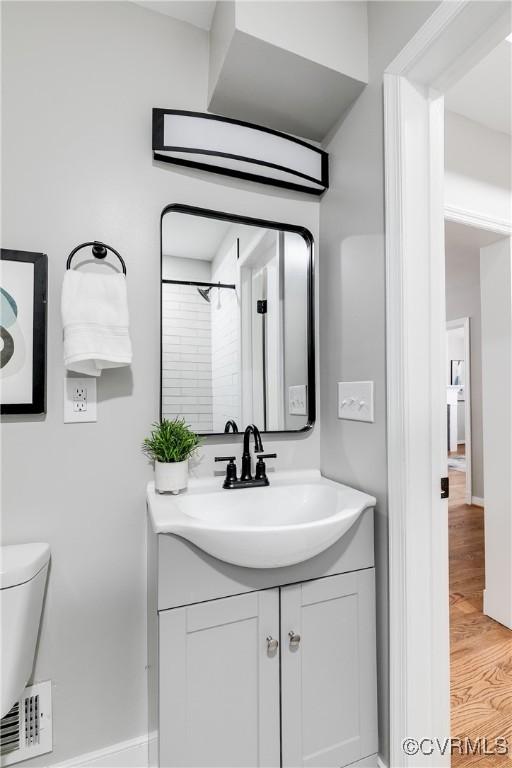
99, 251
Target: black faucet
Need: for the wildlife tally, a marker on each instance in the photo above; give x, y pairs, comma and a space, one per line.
246, 480
230, 424
246, 455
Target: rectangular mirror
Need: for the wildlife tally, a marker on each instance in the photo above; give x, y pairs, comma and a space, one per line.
237, 335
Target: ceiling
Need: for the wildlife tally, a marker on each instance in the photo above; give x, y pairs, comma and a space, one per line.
460, 236
485, 93
196, 12
192, 237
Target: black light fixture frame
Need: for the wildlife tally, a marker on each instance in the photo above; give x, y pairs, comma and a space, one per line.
159, 147
310, 309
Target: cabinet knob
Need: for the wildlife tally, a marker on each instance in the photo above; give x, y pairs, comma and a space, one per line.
272, 645
294, 640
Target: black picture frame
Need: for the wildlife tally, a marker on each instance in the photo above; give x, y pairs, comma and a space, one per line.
40, 292
310, 309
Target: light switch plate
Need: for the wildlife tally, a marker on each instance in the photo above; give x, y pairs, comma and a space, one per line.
355, 400
297, 400
79, 399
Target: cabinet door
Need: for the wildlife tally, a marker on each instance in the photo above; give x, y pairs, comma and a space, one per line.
219, 683
329, 709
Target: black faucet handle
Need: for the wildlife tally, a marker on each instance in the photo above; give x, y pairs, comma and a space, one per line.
261, 469
231, 479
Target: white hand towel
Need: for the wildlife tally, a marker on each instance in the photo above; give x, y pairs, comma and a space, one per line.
95, 320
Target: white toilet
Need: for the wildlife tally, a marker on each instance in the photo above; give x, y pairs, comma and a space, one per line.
23, 571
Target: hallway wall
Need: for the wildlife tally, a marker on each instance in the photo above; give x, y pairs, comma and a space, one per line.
478, 168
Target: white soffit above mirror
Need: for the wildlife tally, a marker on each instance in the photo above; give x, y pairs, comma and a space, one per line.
240, 149
294, 66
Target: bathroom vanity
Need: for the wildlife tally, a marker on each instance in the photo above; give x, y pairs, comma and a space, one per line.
270, 666
261, 626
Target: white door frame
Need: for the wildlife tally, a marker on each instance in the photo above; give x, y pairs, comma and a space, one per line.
464, 323
454, 38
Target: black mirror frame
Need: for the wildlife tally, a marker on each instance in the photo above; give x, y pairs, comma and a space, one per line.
311, 363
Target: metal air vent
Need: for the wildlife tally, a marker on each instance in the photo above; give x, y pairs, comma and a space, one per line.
26, 730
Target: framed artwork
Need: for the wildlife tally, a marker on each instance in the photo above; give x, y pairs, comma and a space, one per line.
23, 290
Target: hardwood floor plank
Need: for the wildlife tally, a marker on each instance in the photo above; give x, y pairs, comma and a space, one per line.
480, 648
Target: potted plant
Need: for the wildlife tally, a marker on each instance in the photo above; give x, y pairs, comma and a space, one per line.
170, 445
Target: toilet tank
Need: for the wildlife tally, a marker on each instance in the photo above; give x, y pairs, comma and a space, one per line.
23, 572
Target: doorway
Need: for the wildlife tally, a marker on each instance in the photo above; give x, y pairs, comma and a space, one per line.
455, 38
480, 647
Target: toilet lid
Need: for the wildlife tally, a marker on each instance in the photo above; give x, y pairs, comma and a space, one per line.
21, 562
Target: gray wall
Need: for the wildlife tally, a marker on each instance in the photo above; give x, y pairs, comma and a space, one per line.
463, 300
79, 82
352, 295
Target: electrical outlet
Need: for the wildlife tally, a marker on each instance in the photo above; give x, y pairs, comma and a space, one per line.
80, 392
79, 399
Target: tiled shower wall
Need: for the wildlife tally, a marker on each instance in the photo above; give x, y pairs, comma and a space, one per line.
186, 356
226, 341
226, 361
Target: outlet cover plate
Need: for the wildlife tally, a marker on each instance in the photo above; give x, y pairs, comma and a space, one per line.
79, 399
355, 400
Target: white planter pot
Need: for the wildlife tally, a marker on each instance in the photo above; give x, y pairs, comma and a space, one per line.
171, 477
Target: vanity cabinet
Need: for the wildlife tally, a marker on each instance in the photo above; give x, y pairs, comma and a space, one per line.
219, 683
328, 670
232, 669
272, 668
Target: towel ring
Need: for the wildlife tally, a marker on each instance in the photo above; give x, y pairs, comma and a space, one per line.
99, 251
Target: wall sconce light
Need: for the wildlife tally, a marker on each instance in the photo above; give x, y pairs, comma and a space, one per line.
239, 149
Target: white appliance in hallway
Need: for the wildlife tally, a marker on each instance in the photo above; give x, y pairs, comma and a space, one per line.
452, 404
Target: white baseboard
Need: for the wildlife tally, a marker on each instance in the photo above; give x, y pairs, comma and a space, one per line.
125, 754
477, 501
372, 761
134, 754
494, 606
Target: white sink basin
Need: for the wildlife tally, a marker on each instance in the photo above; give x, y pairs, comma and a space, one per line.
298, 516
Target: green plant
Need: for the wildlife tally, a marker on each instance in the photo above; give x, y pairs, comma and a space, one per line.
170, 441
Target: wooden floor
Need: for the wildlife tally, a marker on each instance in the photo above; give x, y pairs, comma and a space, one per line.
481, 649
